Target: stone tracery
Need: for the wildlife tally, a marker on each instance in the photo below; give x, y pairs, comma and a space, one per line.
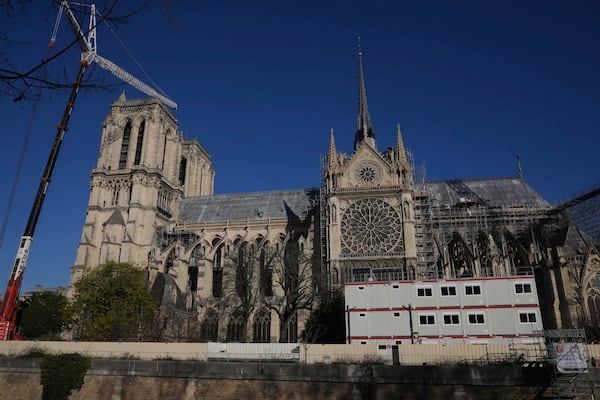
370, 226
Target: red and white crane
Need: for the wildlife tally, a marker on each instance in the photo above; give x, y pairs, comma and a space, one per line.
9, 309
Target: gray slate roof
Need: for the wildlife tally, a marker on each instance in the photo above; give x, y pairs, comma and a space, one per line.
283, 204
277, 204
493, 192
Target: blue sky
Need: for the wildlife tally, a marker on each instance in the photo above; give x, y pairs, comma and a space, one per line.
260, 84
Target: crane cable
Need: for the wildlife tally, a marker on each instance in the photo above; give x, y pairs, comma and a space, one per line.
158, 88
42, 74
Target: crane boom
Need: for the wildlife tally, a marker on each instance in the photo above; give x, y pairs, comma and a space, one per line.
90, 54
132, 80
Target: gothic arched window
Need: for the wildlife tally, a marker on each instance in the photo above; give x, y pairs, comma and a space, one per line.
460, 257
140, 143
290, 331
217, 281
262, 327
197, 255
291, 261
210, 326
169, 262
242, 271
182, 167
125, 146
593, 298
235, 328
266, 272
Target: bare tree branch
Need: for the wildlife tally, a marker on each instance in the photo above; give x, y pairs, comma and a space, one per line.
26, 83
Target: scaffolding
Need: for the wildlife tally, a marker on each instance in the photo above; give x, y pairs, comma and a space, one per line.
584, 208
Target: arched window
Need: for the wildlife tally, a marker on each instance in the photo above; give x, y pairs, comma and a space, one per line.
197, 255
169, 262
182, 167
290, 331
291, 260
235, 328
210, 326
593, 300
266, 271
484, 254
140, 143
125, 146
242, 272
217, 281
262, 327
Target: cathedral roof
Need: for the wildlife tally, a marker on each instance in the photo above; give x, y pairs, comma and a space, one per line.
573, 241
277, 204
493, 192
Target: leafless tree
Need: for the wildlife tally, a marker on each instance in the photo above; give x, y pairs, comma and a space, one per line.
28, 82
240, 289
294, 283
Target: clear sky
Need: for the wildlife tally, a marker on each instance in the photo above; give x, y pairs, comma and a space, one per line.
261, 83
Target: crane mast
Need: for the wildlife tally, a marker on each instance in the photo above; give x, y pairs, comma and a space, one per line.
9, 309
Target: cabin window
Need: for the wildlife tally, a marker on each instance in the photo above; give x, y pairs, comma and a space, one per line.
521, 288
527, 318
424, 292
427, 319
448, 290
473, 290
451, 319
476, 319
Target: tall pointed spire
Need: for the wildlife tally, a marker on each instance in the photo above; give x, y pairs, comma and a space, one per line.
364, 129
332, 157
400, 151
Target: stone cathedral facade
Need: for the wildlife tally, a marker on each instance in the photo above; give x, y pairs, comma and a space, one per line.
251, 266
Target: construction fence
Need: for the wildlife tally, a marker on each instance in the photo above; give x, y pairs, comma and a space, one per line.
417, 354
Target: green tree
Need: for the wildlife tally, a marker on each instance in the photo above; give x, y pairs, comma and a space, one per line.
111, 303
61, 374
44, 316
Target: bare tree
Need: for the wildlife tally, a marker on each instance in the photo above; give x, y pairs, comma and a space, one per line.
294, 283
240, 289
28, 82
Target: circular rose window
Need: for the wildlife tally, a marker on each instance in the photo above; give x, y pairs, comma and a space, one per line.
370, 226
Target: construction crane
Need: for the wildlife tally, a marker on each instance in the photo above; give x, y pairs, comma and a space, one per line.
9, 309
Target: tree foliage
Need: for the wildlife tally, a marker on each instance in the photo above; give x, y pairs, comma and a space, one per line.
61, 374
44, 316
111, 303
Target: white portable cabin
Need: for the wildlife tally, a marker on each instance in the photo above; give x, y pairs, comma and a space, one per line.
466, 310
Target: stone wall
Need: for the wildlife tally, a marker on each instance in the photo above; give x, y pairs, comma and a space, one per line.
176, 380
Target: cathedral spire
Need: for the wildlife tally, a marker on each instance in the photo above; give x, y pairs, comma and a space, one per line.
332, 157
364, 129
400, 151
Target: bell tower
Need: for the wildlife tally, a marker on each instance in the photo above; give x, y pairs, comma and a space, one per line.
144, 169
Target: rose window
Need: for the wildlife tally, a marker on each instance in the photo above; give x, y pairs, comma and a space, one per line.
370, 226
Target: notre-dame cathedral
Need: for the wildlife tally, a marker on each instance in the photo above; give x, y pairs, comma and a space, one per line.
251, 266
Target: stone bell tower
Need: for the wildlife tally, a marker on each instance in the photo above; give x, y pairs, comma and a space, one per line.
144, 169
